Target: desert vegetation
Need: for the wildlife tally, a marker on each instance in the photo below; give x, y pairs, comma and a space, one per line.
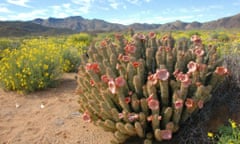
156, 86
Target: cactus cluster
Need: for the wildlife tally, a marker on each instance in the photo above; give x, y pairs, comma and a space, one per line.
146, 87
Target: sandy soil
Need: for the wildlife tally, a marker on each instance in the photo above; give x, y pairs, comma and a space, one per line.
47, 117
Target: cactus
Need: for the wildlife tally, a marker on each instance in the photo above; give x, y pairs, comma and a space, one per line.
146, 87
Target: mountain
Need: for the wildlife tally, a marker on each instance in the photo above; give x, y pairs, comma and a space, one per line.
76, 24
18, 28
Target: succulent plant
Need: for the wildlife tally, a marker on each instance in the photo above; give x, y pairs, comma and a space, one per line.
146, 87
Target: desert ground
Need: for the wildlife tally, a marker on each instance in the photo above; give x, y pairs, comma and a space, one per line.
47, 117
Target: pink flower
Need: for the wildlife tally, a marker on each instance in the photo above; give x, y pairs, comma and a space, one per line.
151, 35
152, 79
221, 71
103, 43
136, 64
149, 118
112, 86
92, 66
104, 78
130, 49
132, 117
183, 77
141, 36
127, 100
86, 117
187, 83
200, 104
196, 39
92, 83
192, 66
166, 134
176, 72
153, 104
199, 52
178, 103
124, 58
189, 103
120, 81
162, 74
120, 115
167, 49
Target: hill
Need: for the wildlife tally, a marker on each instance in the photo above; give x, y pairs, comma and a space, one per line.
75, 24
18, 28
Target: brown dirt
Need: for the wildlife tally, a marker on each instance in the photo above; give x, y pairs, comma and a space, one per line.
57, 123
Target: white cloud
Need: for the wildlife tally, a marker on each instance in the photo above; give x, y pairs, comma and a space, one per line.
4, 9
22, 3
133, 1
85, 5
113, 3
28, 15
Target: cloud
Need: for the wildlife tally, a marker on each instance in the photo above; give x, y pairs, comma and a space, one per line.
28, 15
22, 3
4, 9
114, 4
134, 1
85, 5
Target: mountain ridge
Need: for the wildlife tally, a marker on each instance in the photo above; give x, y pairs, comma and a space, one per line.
75, 24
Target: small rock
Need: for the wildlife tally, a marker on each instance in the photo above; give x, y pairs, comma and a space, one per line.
59, 121
42, 106
76, 114
17, 105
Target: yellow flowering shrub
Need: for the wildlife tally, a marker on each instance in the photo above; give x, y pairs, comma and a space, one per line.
30, 69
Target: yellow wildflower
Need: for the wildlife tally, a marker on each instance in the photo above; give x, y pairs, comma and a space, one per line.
210, 134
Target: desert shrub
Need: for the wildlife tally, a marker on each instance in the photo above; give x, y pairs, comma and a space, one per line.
30, 69
147, 87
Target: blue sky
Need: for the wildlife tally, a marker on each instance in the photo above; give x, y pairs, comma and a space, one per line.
121, 11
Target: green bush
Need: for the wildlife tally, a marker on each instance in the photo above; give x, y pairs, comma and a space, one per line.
30, 69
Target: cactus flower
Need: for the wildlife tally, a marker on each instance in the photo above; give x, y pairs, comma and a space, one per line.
189, 103
199, 52
92, 66
196, 39
166, 134
152, 78
120, 81
162, 74
130, 49
92, 83
124, 58
105, 78
112, 86
136, 64
153, 104
178, 103
192, 66
86, 117
127, 100
221, 71
120, 116
152, 35
200, 104
184, 78
149, 118
103, 43
132, 117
